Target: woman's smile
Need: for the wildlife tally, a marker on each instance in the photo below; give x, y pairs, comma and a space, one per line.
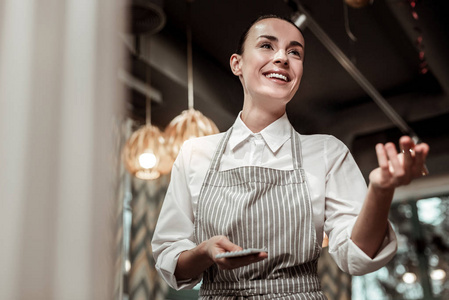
278, 76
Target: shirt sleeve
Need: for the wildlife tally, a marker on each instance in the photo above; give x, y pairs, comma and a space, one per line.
174, 229
345, 193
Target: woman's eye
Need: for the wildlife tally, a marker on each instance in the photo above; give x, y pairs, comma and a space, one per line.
294, 52
266, 46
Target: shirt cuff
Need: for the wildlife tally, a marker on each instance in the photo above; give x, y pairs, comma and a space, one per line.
166, 265
360, 263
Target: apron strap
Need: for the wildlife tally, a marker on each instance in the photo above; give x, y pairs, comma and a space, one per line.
296, 149
215, 163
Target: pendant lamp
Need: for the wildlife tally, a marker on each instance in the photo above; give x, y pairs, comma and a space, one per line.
358, 3
144, 154
190, 123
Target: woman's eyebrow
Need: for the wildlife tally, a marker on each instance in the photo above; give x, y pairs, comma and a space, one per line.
269, 37
295, 43
275, 39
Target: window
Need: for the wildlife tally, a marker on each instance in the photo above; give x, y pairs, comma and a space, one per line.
418, 271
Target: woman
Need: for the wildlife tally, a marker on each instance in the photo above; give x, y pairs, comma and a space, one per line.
262, 185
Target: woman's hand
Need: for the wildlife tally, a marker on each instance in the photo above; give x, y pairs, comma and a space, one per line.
396, 169
193, 262
221, 244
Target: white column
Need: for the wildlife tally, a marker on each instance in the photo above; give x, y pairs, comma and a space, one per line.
59, 101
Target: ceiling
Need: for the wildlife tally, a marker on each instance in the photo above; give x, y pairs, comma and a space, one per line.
329, 100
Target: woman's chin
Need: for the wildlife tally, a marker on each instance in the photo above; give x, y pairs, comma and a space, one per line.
278, 98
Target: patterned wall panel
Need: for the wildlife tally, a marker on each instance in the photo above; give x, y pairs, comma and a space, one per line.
336, 284
147, 197
120, 131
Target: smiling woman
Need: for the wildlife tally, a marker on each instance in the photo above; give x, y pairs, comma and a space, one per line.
262, 185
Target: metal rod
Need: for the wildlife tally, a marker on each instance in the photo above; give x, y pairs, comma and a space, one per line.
347, 27
142, 87
147, 97
189, 57
355, 73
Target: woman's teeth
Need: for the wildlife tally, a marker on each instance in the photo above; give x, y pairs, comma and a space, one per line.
275, 75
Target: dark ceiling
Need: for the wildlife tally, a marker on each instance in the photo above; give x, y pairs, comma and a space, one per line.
390, 34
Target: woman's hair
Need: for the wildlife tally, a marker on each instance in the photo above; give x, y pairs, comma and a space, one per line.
244, 36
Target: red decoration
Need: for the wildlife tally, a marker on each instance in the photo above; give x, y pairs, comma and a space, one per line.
423, 69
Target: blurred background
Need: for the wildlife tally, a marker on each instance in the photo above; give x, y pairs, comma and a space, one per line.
97, 97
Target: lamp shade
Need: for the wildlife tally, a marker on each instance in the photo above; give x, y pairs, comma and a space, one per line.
145, 155
145, 16
189, 124
358, 3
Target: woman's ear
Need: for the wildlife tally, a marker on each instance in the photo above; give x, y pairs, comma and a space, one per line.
235, 64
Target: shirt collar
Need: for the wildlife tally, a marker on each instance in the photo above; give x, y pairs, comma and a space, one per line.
274, 135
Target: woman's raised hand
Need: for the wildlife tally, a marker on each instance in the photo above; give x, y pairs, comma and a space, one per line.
396, 169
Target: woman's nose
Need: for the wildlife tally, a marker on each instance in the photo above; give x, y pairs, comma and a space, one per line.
280, 57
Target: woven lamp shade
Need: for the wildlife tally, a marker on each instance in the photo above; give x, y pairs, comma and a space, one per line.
145, 155
189, 124
358, 3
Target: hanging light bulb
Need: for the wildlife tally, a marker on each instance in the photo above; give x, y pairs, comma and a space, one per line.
147, 160
145, 155
190, 123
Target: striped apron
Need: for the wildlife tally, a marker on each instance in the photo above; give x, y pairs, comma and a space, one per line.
258, 207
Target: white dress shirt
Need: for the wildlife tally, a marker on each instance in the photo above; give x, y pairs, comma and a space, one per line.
337, 189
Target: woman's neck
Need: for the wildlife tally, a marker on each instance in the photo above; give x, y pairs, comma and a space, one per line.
256, 118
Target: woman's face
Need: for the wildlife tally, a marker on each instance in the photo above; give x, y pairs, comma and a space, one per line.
271, 65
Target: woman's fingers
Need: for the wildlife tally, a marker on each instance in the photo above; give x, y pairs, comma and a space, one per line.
226, 245
382, 160
396, 166
414, 158
421, 152
407, 145
400, 169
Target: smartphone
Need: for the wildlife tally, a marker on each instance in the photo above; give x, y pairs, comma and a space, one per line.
243, 252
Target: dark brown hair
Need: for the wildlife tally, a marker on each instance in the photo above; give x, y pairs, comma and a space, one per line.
244, 36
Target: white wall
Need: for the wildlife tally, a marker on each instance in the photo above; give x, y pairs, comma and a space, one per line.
58, 100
